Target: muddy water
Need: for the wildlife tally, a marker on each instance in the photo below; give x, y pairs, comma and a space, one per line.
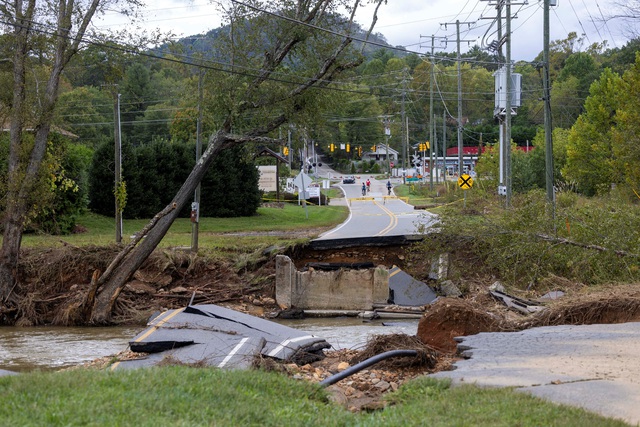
351, 332
53, 348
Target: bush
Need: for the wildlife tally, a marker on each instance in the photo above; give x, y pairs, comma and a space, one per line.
62, 192
586, 241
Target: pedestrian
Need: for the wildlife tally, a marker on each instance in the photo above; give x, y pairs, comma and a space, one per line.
364, 189
368, 185
389, 187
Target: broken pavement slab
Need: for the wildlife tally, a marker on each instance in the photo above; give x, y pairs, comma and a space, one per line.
407, 291
217, 336
588, 366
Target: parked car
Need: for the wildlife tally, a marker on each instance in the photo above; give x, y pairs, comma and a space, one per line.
349, 179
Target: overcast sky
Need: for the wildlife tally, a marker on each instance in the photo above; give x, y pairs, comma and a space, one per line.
411, 23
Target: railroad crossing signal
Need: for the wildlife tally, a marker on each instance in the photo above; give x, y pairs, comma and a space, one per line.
465, 181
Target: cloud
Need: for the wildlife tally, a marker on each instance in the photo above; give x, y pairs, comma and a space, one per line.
411, 23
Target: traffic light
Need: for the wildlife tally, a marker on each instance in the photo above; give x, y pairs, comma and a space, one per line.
423, 146
332, 147
348, 148
374, 148
285, 151
360, 150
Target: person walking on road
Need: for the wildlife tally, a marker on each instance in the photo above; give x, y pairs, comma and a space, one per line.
368, 185
389, 187
364, 189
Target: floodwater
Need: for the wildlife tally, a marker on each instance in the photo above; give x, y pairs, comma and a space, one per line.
352, 332
54, 348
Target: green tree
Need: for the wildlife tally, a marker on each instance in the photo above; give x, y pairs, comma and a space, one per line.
35, 58
626, 133
88, 113
70, 187
135, 98
590, 161
538, 161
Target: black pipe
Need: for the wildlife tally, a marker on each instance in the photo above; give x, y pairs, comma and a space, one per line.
366, 363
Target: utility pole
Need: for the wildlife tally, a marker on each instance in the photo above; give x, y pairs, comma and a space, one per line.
460, 144
507, 98
432, 125
507, 157
459, 61
118, 169
405, 130
434, 147
547, 110
387, 134
444, 144
195, 206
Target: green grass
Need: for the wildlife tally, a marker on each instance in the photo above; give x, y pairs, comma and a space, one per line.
183, 396
100, 230
420, 194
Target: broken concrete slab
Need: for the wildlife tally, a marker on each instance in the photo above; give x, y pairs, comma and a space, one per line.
449, 289
440, 268
551, 296
407, 291
217, 336
343, 289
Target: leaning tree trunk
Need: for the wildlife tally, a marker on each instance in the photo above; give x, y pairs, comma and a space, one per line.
24, 168
108, 287
131, 258
9, 256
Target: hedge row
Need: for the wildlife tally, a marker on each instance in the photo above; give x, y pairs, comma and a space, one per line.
154, 173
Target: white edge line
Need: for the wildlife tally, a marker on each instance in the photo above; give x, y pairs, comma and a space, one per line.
284, 343
233, 352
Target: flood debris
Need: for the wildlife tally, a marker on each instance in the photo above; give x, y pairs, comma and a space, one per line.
211, 335
519, 304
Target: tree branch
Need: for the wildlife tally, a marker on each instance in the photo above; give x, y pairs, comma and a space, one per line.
562, 241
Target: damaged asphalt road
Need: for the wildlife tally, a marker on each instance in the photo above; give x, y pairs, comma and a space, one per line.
590, 366
216, 336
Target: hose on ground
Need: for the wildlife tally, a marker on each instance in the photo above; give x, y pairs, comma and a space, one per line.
366, 363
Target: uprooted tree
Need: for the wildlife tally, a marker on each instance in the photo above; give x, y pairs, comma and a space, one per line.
277, 67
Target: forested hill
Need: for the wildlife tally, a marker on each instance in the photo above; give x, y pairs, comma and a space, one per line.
201, 43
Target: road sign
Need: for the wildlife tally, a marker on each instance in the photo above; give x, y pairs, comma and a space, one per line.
465, 181
302, 180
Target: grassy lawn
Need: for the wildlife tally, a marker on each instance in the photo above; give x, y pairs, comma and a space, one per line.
184, 396
100, 230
